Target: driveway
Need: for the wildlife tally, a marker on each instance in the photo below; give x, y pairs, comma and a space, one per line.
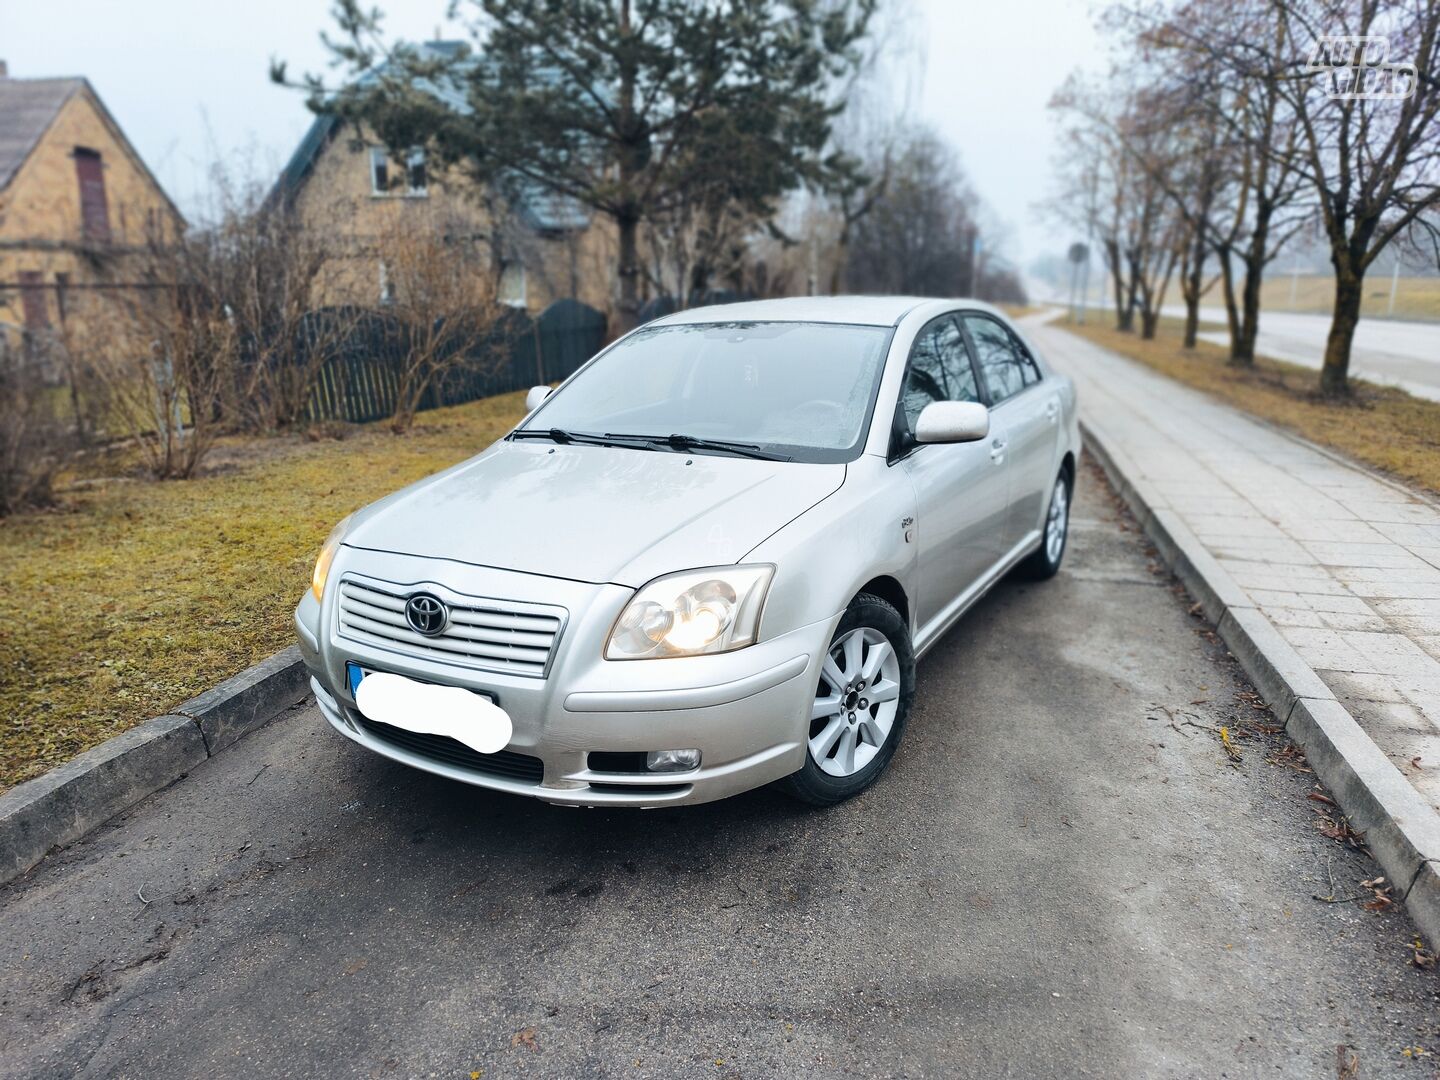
1389, 351
1062, 874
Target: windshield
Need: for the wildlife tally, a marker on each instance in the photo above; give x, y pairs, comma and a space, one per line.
801, 390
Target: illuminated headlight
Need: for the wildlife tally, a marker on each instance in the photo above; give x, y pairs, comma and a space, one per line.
692, 613
327, 556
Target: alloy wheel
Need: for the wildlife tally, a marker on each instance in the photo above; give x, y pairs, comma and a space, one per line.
1057, 522
855, 703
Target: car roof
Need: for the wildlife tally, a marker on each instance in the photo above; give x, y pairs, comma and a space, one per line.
861, 310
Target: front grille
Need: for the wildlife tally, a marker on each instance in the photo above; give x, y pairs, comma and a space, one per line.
447, 751
493, 635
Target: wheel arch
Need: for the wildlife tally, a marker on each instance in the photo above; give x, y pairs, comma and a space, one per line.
892, 592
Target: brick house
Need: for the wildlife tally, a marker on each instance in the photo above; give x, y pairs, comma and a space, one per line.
346, 183
78, 208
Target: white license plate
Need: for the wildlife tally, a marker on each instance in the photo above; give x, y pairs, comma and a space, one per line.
431, 709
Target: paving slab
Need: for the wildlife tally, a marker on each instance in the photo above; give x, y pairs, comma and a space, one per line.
1340, 565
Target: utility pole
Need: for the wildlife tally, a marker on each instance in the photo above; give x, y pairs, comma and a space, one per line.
1394, 285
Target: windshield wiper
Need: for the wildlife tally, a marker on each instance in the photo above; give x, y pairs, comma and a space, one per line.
681, 443
554, 434
694, 442
586, 438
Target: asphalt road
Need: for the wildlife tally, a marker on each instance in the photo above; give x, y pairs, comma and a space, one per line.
1055, 878
1389, 351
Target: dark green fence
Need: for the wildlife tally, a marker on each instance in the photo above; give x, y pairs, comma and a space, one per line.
361, 385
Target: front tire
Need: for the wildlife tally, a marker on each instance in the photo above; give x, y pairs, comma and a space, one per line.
866, 687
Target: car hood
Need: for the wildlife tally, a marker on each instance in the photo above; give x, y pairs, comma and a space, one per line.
594, 513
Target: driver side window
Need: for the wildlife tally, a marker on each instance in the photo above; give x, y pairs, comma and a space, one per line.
939, 370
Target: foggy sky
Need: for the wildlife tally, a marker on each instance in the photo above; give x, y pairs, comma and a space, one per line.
189, 82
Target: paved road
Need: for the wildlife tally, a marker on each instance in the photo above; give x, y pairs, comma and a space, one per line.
1052, 880
1405, 354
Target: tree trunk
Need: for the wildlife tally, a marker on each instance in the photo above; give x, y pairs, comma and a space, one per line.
1132, 295
1192, 320
1242, 346
1335, 374
1148, 320
1232, 310
1123, 314
1242, 349
628, 226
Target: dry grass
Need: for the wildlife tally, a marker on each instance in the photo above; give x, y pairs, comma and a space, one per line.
1415, 298
1383, 427
138, 595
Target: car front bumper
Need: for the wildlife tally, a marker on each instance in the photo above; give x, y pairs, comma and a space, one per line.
747, 712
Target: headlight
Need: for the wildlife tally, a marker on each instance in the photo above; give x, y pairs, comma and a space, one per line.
688, 614
327, 556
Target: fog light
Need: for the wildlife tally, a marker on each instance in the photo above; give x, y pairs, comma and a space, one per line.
672, 760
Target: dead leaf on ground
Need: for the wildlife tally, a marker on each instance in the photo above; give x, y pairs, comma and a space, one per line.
1347, 1063
1421, 957
1290, 757
524, 1037
1337, 828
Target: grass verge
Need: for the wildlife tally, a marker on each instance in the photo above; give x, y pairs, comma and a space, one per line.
137, 595
1381, 426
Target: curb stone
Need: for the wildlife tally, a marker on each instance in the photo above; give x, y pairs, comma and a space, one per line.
1401, 829
65, 803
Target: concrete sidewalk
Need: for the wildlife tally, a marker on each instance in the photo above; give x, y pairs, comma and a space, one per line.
1344, 564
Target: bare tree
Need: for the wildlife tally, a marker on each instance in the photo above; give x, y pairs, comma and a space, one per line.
270, 278
167, 360
34, 439
442, 289
1373, 161
1334, 104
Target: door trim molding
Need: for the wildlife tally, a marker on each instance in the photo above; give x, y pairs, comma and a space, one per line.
936, 628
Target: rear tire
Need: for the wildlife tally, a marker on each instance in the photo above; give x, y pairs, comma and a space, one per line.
861, 704
1044, 561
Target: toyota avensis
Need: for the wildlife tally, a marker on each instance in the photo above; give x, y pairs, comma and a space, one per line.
709, 560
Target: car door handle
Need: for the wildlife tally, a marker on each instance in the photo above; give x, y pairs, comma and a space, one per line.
1052, 411
997, 451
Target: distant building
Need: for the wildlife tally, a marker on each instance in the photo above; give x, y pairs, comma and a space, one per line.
347, 183
78, 208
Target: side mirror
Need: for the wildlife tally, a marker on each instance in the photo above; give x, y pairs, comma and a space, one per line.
952, 422
536, 395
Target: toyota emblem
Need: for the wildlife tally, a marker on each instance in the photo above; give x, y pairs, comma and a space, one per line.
426, 614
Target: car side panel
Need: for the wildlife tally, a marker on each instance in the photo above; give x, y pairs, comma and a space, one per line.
1033, 430
829, 553
961, 501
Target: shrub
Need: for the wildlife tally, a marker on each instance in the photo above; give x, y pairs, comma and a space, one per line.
34, 438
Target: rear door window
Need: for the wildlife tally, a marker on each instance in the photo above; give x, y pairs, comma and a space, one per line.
1000, 363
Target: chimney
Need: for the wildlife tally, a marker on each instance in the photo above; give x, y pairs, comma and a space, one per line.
4, 70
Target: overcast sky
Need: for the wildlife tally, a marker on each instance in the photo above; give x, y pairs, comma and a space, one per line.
188, 81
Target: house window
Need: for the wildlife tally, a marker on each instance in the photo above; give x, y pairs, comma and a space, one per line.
512, 285
416, 178
415, 172
94, 211
379, 172
32, 300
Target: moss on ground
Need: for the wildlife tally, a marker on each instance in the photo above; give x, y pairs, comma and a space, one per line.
136, 595
1381, 426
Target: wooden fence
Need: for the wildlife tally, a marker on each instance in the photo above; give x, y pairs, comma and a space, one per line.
361, 385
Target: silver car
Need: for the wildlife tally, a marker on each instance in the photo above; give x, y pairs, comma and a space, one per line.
708, 561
